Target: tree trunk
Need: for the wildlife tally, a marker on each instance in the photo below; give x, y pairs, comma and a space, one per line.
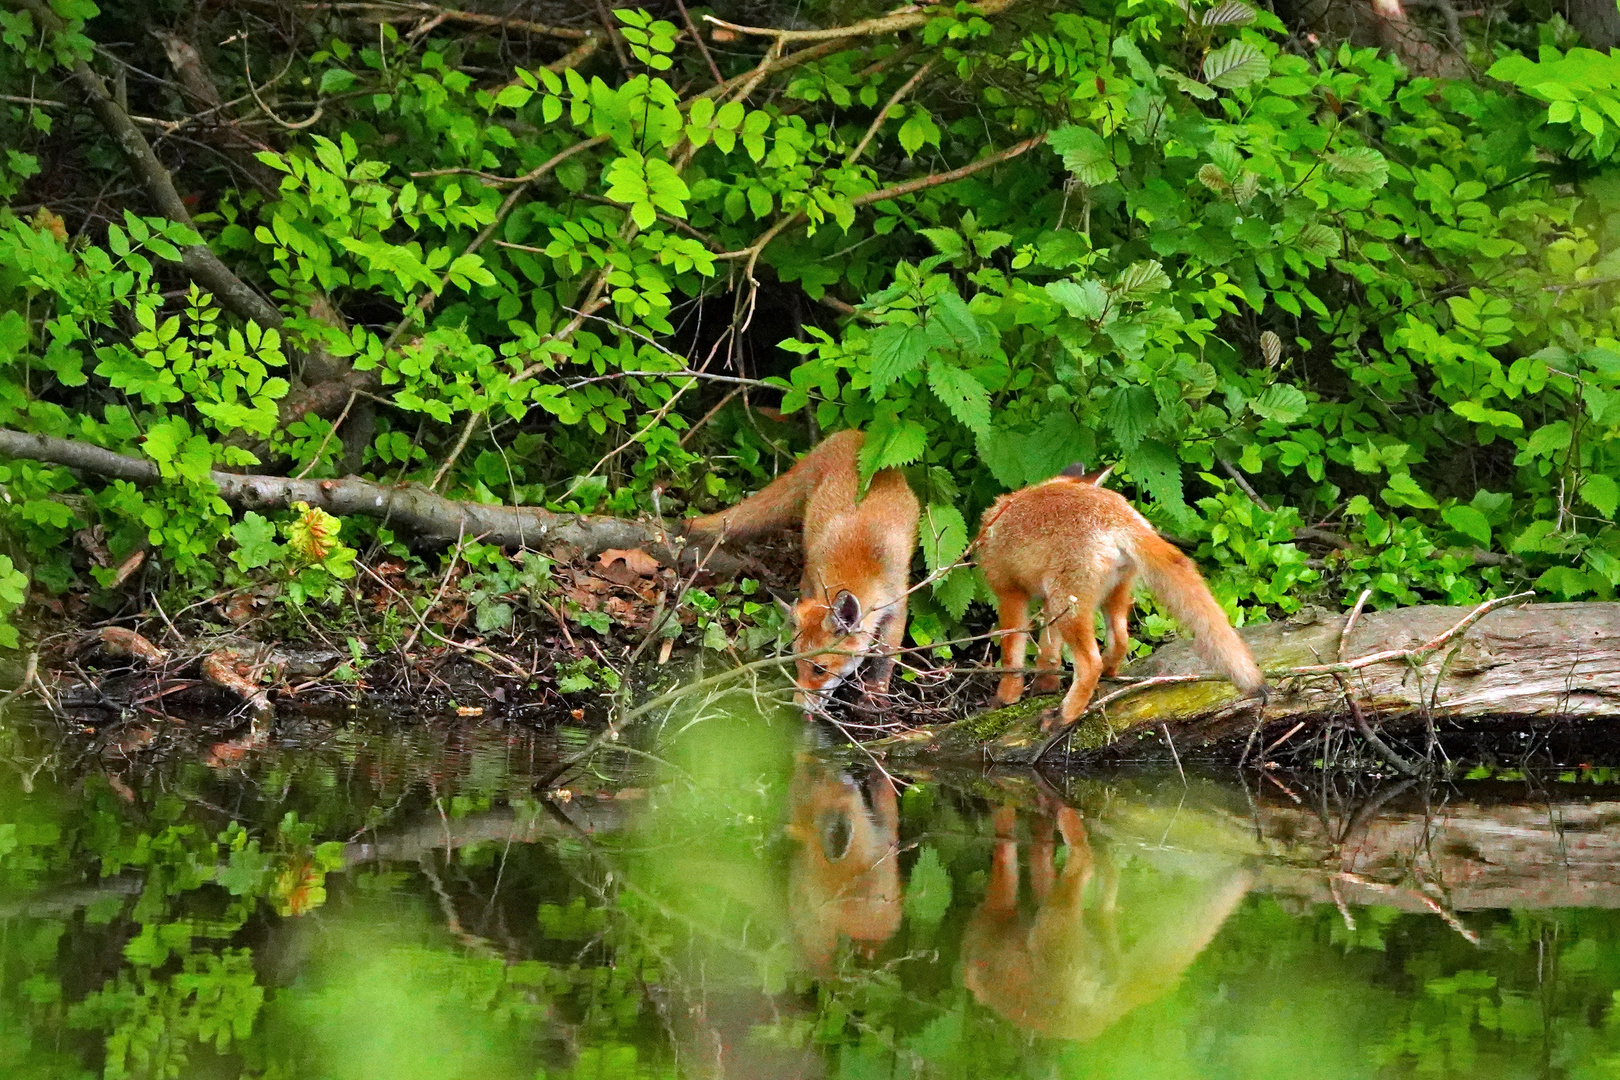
1597, 20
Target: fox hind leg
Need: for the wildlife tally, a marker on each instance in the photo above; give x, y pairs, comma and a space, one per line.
1081, 636
1050, 658
1116, 609
1013, 608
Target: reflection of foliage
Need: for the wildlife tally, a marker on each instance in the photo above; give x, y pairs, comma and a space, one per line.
153, 1022
156, 940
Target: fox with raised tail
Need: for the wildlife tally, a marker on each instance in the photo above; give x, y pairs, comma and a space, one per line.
1074, 547
857, 560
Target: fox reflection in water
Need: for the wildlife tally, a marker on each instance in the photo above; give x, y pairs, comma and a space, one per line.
844, 879
1061, 971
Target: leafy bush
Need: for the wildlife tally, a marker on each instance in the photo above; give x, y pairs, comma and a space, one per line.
1385, 300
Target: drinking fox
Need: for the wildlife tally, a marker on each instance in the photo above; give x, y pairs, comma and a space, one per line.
857, 560
1075, 546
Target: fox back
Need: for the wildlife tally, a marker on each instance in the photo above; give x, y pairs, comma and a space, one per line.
1076, 547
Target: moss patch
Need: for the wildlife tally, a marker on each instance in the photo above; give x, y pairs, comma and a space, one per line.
994, 724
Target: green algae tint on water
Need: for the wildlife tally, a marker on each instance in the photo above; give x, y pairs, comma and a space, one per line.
370, 905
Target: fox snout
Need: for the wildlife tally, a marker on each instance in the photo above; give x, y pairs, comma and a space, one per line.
820, 675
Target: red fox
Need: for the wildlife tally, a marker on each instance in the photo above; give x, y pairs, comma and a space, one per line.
1075, 546
844, 879
857, 560
1061, 972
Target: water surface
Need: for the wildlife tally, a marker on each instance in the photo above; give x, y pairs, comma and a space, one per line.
366, 903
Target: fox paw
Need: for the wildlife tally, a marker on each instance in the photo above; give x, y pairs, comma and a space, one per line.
1052, 720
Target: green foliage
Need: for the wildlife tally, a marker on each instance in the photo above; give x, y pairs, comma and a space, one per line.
1386, 299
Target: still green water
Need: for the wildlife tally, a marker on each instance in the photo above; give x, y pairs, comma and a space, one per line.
363, 904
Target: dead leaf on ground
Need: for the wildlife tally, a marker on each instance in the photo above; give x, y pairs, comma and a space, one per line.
239, 608
638, 562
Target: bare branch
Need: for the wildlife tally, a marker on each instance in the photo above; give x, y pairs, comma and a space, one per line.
883, 113
886, 24
411, 507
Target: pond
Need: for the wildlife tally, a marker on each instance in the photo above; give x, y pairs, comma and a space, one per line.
367, 900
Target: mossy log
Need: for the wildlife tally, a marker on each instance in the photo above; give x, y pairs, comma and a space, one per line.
1515, 666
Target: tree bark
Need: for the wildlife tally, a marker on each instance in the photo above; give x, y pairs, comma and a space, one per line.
1597, 20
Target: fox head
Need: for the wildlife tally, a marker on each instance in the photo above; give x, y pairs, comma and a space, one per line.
834, 626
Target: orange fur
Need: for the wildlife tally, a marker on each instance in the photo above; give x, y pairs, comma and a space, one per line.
844, 877
1061, 971
1076, 547
857, 560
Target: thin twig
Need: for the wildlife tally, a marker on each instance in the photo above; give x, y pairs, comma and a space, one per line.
461, 444
1350, 623
315, 458
886, 24
1383, 749
415, 11
686, 18
883, 113
1432, 645
1237, 478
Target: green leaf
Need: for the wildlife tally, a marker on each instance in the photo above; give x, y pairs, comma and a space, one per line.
1141, 280
13, 335
1157, 468
928, 891
1549, 439
1191, 87
1363, 165
918, 131
336, 81
892, 443
1085, 154
1281, 402
953, 314
1470, 522
1086, 300
897, 350
1229, 13
256, 544
1479, 414
962, 394
946, 241
1235, 64
1405, 491
1601, 493
514, 96
1129, 413
956, 590
1318, 239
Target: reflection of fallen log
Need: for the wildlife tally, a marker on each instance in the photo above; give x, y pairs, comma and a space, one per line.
1465, 857
1515, 666
504, 826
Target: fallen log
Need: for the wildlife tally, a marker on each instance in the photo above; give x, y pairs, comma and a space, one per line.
424, 514
1513, 665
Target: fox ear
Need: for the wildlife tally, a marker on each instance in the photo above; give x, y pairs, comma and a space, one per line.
846, 611
788, 612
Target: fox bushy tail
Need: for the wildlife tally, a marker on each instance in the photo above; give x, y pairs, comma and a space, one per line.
1173, 578
781, 502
